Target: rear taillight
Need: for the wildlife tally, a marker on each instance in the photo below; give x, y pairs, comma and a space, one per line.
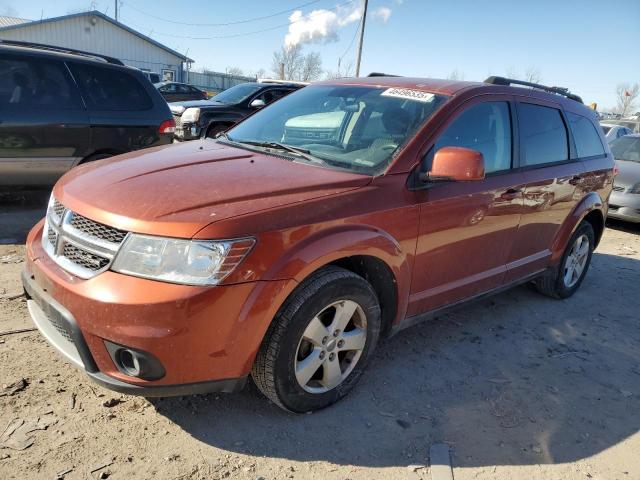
616, 170
168, 126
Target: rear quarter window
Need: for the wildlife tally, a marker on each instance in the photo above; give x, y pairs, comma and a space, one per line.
585, 135
110, 89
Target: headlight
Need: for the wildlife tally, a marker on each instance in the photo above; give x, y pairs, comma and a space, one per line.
191, 115
190, 262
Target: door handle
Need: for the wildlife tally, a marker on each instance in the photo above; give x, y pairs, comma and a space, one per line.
511, 194
575, 180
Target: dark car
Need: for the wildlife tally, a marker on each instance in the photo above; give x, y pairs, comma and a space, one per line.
208, 118
61, 107
180, 92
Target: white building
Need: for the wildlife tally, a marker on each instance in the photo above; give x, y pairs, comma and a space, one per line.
97, 33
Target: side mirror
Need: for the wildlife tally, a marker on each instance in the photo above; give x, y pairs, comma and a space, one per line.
257, 103
458, 164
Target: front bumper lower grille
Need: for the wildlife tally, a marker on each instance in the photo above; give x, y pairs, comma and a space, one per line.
79, 245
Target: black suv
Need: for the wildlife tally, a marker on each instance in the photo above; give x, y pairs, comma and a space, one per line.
207, 118
61, 107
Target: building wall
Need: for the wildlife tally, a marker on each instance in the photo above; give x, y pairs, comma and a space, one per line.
95, 34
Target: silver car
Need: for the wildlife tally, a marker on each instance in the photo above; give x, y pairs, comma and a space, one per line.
624, 203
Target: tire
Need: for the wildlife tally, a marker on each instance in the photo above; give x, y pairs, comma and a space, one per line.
287, 348
215, 129
555, 284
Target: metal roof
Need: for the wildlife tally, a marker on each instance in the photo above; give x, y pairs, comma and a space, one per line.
21, 23
10, 21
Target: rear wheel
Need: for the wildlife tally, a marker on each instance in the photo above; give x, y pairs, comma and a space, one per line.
567, 278
320, 343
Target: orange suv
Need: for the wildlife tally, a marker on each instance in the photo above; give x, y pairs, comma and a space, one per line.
285, 248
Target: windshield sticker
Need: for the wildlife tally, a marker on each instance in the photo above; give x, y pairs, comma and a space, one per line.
408, 94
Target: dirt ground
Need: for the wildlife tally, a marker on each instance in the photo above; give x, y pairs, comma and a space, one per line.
519, 386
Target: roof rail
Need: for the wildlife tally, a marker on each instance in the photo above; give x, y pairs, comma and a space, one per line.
510, 81
53, 48
283, 82
380, 74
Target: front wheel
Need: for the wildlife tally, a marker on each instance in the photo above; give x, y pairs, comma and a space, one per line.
567, 278
320, 342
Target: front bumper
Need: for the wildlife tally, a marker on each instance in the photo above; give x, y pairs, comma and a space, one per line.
61, 330
624, 206
205, 338
186, 131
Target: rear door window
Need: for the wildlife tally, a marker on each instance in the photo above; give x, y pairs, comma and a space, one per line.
33, 83
107, 88
543, 135
585, 135
485, 127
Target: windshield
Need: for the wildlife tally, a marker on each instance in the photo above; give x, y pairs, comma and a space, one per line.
237, 94
349, 127
626, 148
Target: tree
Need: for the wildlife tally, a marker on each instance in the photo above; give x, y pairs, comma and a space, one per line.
344, 70
311, 67
297, 65
532, 75
626, 95
237, 71
456, 75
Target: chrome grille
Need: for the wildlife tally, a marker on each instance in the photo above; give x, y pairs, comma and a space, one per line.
78, 244
97, 230
58, 208
616, 188
83, 258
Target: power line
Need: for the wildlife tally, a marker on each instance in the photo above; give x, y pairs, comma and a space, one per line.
225, 24
235, 35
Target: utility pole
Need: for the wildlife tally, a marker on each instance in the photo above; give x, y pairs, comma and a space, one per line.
116, 2
364, 19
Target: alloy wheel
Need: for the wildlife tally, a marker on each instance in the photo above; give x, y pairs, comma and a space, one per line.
331, 346
576, 261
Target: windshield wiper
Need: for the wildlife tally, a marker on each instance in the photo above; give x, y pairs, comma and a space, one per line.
300, 152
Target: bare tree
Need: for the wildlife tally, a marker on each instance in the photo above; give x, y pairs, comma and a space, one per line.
344, 70
237, 71
292, 58
297, 65
532, 74
312, 67
626, 95
456, 75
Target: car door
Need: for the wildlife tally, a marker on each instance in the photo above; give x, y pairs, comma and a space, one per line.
550, 173
44, 130
121, 112
466, 228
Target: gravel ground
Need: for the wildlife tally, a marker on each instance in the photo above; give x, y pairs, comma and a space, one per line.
519, 386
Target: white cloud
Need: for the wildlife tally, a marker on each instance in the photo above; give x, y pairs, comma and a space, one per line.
382, 14
319, 26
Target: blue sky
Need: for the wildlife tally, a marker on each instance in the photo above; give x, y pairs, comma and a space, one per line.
589, 46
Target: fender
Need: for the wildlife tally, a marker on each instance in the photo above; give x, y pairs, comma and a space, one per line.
327, 246
591, 201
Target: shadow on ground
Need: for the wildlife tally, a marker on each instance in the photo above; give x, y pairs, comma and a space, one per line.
19, 211
623, 226
517, 379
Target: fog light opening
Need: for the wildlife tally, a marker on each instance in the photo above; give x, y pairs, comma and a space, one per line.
129, 362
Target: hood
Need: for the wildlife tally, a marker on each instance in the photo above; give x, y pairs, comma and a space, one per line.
629, 173
177, 190
177, 108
